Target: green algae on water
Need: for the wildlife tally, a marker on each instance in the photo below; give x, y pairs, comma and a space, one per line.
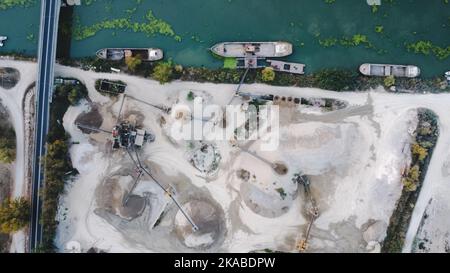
151, 27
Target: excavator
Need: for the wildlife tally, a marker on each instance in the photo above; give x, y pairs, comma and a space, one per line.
302, 245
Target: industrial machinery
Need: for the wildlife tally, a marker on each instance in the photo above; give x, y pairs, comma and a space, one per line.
127, 136
313, 211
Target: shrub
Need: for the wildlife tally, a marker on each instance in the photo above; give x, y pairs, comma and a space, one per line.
281, 192
268, 74
162, 72
14, 215
419, 151
409, 184
133, 62
389, 81
190, 96
334, 79
7, 144
414, 173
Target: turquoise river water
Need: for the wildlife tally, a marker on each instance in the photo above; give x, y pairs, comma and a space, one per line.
315, 27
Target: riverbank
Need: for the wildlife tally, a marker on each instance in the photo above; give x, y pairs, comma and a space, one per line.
422, 147
333, 79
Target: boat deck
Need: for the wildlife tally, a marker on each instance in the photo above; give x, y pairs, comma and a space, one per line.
252, 49
384, 70
142, 53
117, 54
397, 71
295, 68
250, 62
239, 50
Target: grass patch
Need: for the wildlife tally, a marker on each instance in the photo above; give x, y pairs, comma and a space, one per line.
230, 63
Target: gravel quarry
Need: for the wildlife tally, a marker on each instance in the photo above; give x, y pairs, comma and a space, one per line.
353, 156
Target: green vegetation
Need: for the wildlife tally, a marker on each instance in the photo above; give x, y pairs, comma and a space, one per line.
57, 164
379, 29
14, 215
151, 27
6, 4
201, 74
334, 79
281, 192
133, 62
389, 81
421, 150
163, 72
374, 8
427, 47
411, 179
268, 74
329, 42
58, 167
230, 63
350, 81
353, 41
73, 93
190, 97
7, 144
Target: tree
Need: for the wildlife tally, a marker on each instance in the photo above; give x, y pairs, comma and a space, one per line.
133, 62
268, 74
414, 173
7, 144
7, 155
190, 96
162, 72
73, 96
409, 184
14, 215
389, 81
419, 151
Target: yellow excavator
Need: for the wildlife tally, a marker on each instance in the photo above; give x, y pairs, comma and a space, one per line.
302, 245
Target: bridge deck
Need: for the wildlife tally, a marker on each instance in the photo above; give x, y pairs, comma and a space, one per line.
44, 87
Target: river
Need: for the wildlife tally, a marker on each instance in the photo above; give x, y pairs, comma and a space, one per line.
320, 31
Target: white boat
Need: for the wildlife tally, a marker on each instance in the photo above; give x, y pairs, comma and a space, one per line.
295, 68
252, 49
117, 54
2, 38
408, 71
